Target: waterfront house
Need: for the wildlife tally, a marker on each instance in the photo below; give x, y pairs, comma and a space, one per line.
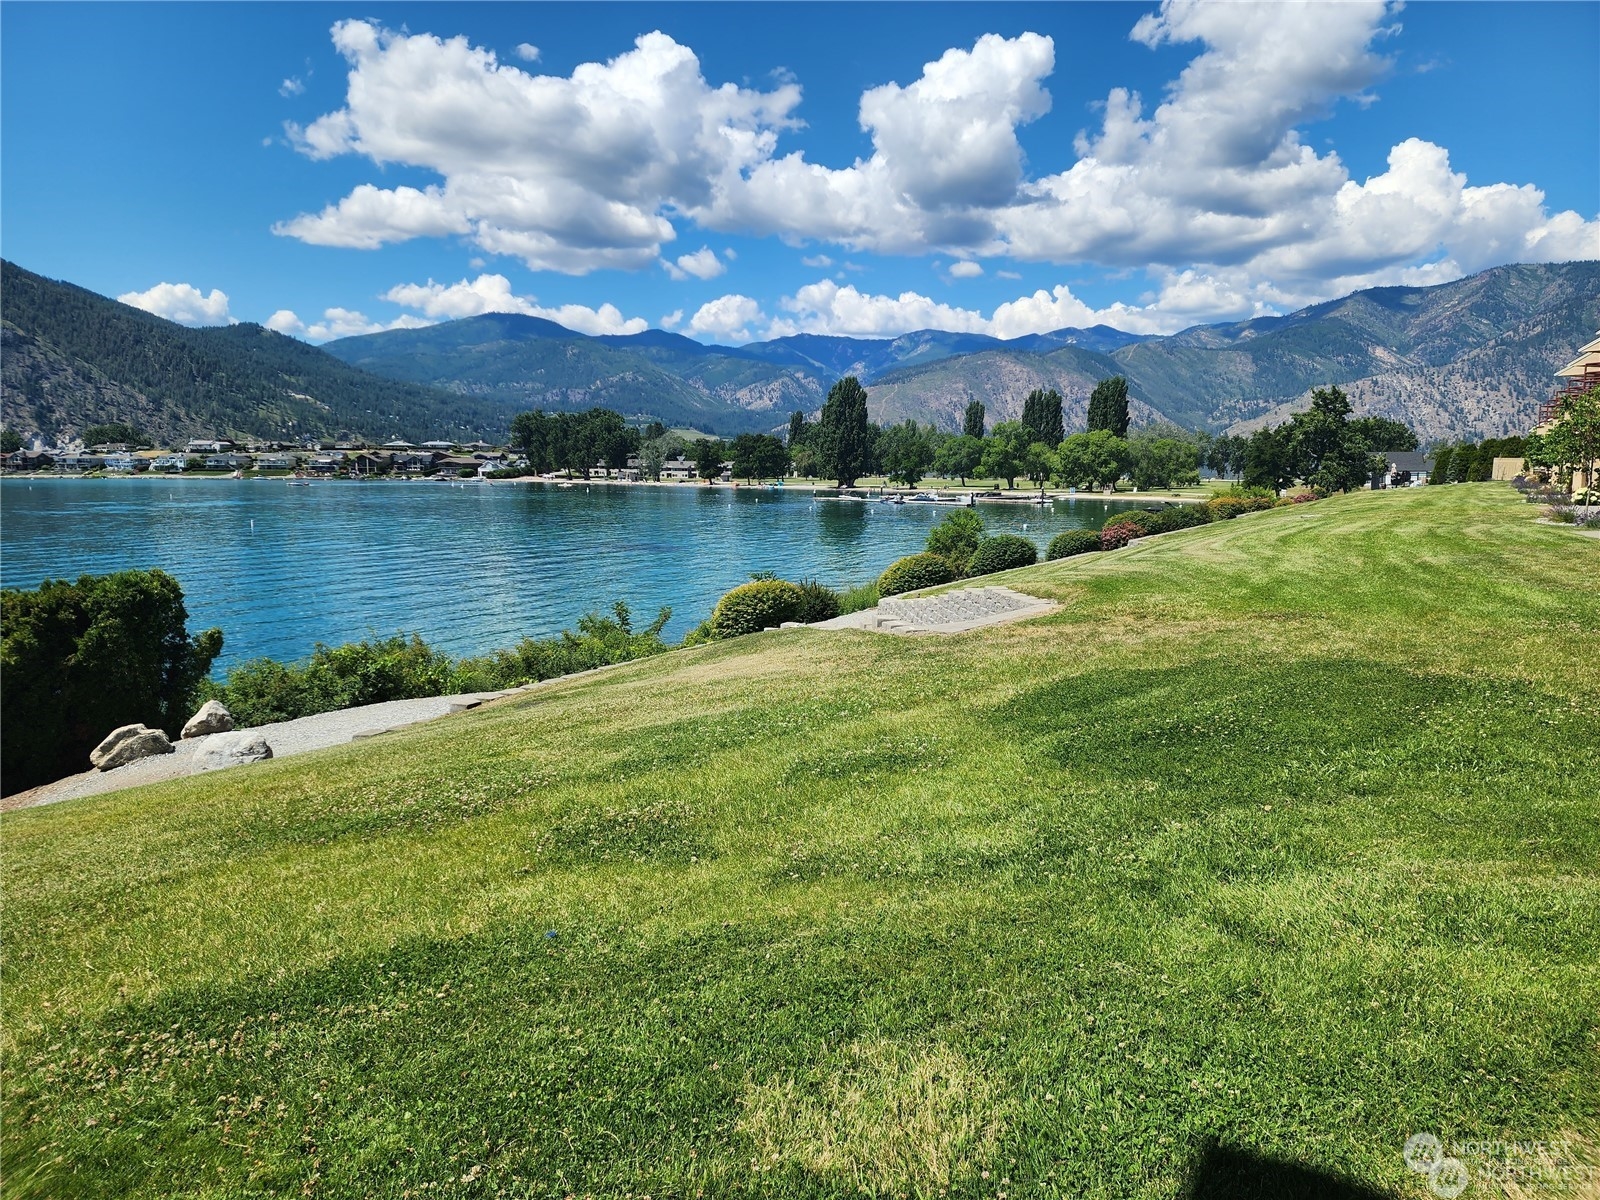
126, 462
418, 462
209, 446
228, 462
1403, 468
79, 462
171, 462
277, 462
372, 463
28, 460
326, 464
679, 468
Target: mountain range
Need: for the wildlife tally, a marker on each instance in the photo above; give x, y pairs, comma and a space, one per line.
1470, 358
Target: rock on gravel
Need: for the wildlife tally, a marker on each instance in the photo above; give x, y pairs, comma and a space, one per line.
231, 750
127, 743
213, 717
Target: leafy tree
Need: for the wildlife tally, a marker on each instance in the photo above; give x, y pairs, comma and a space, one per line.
1325, 450
1096, 459
10, 441
758, 455
1269, 459
1226, 454
654, 430
972, 420
845, 441
654, 453
1041, 412
1039, 461
709, 455
906, 453
1163, 457
1463, 461
958, 456
1108, 406
1382, 433
955, 539
1004, 452
1573, 440
1441, 464
1482, 465
81, 659
797, 430
807, 462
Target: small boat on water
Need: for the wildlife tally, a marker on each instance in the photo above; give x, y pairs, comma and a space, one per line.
934, 498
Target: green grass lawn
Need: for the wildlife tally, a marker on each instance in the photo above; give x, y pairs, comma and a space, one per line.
1277, 844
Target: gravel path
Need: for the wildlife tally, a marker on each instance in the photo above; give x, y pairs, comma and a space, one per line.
285, 738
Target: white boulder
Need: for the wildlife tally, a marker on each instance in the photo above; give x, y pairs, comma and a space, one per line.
128, 744
231, 750
213, 717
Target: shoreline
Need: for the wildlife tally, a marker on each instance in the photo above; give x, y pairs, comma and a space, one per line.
871, 493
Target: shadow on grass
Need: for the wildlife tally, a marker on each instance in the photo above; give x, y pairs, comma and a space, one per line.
1228, 1173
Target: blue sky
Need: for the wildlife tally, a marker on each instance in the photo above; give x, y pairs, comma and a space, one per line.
737, 171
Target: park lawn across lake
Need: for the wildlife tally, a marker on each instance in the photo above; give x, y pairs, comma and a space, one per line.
1276, 845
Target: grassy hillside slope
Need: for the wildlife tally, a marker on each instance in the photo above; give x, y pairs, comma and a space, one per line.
1276, 845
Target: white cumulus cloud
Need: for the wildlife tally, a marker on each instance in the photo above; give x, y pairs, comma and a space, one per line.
527, 52
566, 173
183, 303
492, 293
727, 318
702, 264
1214, 188
965, 269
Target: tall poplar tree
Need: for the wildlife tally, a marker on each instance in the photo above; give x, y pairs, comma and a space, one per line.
1041, 413
972, 422
846, 442
1108, 406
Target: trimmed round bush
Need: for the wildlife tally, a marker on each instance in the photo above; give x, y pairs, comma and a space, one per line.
752, 607
1119, 533
817, 603
1003, 553
915, 571
1073, 541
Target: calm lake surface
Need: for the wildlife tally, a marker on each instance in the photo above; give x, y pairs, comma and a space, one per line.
470, 567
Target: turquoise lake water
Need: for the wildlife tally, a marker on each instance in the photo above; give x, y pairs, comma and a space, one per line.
470, 567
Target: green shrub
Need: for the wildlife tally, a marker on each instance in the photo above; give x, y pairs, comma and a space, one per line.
1225, 508
754, 606
956, 539
1073, 542
817, 603
857, 599
598, 641
80, 659
1178, 516
915, 571
263, 691
1003, 553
